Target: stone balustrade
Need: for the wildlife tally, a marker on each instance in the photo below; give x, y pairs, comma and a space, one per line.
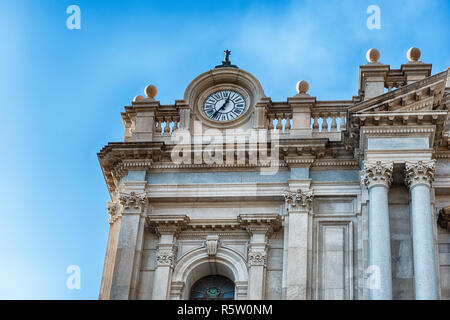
166, 123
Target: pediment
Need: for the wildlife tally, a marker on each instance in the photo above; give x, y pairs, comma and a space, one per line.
423, 95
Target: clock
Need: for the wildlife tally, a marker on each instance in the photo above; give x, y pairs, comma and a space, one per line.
224, 106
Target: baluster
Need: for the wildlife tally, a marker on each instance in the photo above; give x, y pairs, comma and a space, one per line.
279, 123
287, 126
343, 121
169, 123
321, 127
271, 118
326, 115
158, 124
316, 123
166, 126
333, 123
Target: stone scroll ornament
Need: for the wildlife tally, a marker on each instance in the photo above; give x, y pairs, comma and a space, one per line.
378, 172
298, 200
419, 172
212, 243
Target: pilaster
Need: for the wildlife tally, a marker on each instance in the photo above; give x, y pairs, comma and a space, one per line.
260, 227
167, 228
299, 205
129, 244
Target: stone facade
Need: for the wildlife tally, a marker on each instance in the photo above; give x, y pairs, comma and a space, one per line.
298, 199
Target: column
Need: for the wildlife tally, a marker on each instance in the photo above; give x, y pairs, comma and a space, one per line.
298, 204
260, 227
419, 177
378, 178
167, 228
127, 257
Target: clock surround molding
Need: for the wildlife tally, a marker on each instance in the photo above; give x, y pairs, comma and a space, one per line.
200, 114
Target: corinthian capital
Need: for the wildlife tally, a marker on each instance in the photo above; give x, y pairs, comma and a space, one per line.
113, 212
419, 172
299, 200
378, 172
133, 200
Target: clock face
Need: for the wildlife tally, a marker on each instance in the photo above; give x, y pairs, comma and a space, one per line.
224, 105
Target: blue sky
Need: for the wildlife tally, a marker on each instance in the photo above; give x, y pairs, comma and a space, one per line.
62, 91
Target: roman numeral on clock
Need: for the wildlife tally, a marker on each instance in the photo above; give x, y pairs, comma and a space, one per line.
224, 105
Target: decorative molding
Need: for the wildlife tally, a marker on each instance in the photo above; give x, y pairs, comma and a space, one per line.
377, 173
171, 165
396, 130
167, 224
299, 200
304, 162
442, 154
419, 172
336, 163
212, 243
264, 224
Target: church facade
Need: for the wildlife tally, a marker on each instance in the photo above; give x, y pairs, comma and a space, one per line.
227, 194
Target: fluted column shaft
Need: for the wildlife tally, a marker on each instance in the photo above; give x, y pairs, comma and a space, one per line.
378, 177
419, 176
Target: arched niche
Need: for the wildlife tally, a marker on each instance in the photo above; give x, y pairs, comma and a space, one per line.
197, 264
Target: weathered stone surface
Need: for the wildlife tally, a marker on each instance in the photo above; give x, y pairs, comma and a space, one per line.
309, 212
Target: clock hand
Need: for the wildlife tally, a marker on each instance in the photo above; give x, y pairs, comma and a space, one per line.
226, 102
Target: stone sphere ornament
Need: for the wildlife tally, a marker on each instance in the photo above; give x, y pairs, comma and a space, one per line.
373, 55
302, 87
413, 54
151, 91
138, 98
